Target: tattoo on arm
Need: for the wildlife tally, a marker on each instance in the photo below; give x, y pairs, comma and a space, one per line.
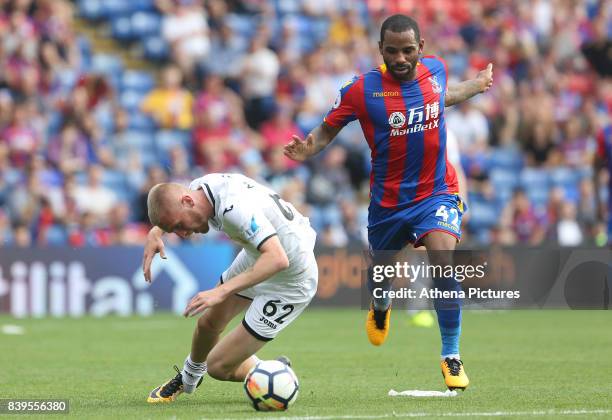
463, 91
322, 135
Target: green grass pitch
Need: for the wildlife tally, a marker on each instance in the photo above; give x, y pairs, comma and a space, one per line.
520, 363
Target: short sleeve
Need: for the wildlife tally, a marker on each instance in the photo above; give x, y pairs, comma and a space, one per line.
344, 109
247, 224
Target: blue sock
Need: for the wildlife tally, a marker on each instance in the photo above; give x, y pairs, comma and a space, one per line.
449, 316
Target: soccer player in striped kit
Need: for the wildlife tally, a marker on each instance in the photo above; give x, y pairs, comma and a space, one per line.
413, 189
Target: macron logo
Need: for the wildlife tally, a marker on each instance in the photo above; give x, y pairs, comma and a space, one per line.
384, 94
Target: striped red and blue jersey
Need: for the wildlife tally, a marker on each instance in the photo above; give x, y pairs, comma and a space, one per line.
604, 150
403, 123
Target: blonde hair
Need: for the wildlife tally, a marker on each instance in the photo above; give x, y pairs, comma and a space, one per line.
159, 201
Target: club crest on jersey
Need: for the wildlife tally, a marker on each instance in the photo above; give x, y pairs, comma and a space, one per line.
435, 85
397, 120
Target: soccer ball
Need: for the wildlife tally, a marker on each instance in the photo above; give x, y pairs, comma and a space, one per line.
271, 386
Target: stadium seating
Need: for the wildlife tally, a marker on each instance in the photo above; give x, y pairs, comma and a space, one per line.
137, 24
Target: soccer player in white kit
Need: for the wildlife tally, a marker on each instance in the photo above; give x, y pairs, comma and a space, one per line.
274, 277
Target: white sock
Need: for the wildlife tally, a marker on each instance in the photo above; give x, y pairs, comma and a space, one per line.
450, 356
191, 374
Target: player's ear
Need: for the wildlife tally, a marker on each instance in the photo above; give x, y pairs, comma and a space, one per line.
380, 47
421, 46
187, 200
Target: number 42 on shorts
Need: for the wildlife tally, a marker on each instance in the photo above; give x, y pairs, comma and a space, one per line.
446, 214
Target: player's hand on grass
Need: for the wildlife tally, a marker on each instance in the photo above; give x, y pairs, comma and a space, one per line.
202, 301
154, 245
486, 77
297, 149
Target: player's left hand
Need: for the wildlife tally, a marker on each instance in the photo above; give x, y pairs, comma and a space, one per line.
486, 77
297, 149
203, 300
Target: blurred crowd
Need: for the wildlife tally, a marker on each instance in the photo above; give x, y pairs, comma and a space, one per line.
81, 142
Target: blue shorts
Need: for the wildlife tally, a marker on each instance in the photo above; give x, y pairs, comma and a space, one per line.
392, 229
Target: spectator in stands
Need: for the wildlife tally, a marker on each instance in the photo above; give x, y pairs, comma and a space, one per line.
25, 200
556, 198
320, 90
68, 151
568, 230
259, 69
184, 27
89, 232
178, 165
171, 105
332, 235
211, 140
217, 103
330, 182
470, 126
113, 150
22, 237
520, 217
6, 107
277, 130
356, 230
7, 175
278, 173
21, 138
228, 48
577, 147
121, 230
6, 231
94, 198
540, 150
346, 27
44, 222
586, 211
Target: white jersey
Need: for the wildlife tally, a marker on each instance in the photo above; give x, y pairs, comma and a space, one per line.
250, 213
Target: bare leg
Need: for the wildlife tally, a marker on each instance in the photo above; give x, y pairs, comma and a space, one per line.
212, 323
233, 357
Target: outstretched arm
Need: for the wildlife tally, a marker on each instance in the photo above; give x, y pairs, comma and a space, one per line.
316, 141
463, 91
271, 261
154, 245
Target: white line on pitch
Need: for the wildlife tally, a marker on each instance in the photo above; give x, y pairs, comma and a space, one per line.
551, 412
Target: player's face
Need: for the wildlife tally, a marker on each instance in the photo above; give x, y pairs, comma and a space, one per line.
400, 52
185, 226
185, 220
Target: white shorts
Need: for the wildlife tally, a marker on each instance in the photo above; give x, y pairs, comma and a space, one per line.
277, 301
